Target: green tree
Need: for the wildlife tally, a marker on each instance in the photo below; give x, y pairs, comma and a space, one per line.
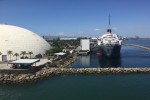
48, 52
9, 53
53, 50
23, 53
0, 53
30, 53
16, 54
55, 44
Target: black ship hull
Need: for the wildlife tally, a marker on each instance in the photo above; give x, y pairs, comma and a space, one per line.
110, 50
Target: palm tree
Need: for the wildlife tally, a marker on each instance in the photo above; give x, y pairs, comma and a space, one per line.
23, 53
0, 53
10, 53
30, 53
16, 54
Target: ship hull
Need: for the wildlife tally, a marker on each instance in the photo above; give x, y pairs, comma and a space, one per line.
110, 50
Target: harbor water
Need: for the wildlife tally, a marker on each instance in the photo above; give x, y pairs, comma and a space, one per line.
91, 87
130, 57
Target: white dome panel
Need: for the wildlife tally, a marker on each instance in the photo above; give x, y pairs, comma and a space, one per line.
18, 39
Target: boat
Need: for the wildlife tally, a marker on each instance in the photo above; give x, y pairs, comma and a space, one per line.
109, 43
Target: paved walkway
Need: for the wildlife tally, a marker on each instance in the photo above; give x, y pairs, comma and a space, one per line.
4, 65
41, 62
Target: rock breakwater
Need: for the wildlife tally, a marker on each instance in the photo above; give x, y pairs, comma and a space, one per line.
47, 72
138, 46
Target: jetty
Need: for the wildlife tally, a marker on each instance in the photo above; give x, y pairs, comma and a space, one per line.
46, 72
138, 46
100, 71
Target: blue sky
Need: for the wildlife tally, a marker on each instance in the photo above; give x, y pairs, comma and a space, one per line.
78, 17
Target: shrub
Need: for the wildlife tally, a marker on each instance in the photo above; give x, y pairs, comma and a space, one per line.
52, 64
61, 62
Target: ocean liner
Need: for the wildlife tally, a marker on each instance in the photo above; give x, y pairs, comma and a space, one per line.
109, 43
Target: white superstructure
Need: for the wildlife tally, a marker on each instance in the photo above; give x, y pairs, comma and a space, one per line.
109, 39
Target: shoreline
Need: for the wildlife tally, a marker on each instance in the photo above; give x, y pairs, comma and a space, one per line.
19, 76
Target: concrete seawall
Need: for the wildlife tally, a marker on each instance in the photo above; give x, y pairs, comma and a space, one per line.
48, 72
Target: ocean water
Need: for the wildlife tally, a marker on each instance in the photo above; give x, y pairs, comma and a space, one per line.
105, 87
90, 87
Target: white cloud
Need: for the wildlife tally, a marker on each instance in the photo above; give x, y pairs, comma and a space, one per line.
97, 29
61, 33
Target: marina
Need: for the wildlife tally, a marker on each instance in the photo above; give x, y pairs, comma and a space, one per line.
133, 61
71, 50
83, 64
86, 65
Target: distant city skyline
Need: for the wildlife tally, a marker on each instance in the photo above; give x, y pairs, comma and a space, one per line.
129, 18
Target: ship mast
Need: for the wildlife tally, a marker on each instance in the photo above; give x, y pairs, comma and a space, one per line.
109, 21
109, 29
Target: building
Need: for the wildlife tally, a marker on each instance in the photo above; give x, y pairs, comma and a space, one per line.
85, 47
85, 44
14, 39
68, 38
